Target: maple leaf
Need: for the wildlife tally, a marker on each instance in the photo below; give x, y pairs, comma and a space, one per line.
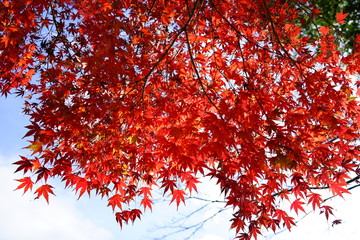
44, 191
338, 188
324, 30
327, 210
26, 183
25, 165
178, 196
82, 185
122, 217
43, 173
146, 191
36, 147
285, 218
147, 203
336, 222
297, 205
168, 185
190, 181
33, 129
126, 216
315, 199
340, 17
115, 201
135, 213
191, 184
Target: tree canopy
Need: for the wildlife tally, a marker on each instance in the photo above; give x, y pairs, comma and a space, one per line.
126, 97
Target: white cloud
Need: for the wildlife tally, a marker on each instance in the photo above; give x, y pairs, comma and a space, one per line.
25, 218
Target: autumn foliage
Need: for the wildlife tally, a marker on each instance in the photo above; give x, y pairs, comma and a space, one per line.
126, 97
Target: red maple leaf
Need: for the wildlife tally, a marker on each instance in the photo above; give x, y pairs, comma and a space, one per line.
297, 205
44, 191
24, 164
82, 185
115, 201
327, 210
26, 183
282, 216
147, 203
178, 196
338, 188
340, 17
315, 199
324, 30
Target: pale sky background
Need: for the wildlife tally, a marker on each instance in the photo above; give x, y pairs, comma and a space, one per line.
66, 218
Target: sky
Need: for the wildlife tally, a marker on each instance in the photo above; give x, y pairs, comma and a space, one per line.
66, 218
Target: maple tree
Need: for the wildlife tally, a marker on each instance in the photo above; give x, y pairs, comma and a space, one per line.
328, 16
126, 97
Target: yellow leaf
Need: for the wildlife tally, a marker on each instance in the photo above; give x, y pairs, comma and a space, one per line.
36, 147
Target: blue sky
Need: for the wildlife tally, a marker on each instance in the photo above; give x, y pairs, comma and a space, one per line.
67, 218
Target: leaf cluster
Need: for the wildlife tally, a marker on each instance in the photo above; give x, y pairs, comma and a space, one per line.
129, 97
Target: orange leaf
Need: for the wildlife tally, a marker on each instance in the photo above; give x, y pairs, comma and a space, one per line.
115, 201
44, 191
324, 30
340, 17
26, 183
5, 40
36, 147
